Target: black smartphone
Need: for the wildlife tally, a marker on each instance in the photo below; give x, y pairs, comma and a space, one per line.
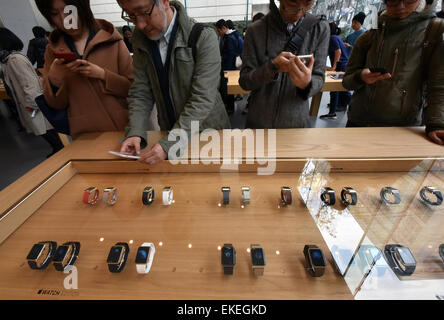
378, 69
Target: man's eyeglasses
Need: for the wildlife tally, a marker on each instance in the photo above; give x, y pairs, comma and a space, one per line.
133, 17
395, 3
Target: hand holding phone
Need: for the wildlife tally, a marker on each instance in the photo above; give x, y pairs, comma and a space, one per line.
66, 56
305, 59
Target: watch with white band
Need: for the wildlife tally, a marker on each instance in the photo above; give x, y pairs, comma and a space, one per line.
167, 196
144, 257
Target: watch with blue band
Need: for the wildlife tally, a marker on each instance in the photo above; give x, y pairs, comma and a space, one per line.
66, 255
41, 254
117, 257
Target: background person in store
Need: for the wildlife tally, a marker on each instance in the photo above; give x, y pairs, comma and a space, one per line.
189, 92
37, 47
23, 86
358, 30
94, 87
280, 82
397, 97
440, 14
338, 58
127, 35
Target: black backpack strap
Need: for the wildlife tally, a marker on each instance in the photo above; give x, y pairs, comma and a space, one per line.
297, 38
194, 36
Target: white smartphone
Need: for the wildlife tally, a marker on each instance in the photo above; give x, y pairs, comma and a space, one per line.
306, 58
123, 155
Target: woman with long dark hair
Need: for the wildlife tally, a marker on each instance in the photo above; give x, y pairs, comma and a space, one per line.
94, 86
23, 86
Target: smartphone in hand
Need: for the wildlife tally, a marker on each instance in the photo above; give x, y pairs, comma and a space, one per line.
66, 56
306, 59
378, 69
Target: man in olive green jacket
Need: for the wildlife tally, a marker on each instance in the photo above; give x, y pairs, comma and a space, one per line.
165, 72
398, 97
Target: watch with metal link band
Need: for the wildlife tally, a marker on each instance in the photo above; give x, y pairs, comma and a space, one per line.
66, 255
432, 191
228, 258
400, 259
286, 196
91, 196
257, 259
148, 196
347, 191
226, 195
117, 257
110, 196
41, 254
245, 195
167, 196
314, 257
392, 191
328, 196
145, 257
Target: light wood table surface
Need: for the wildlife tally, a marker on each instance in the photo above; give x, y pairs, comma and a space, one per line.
330, 84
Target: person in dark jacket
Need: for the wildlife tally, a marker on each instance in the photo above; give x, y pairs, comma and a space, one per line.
37, 47
127, 35
229, 52
280, 82
338, 57
358, 30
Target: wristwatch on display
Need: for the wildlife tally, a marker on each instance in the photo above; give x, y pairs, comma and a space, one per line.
286, 196
226, 195
431, 191
110, 196
245, 195
315, 260
148, 196
392, 191
347, 191
91, 195
441, 251
257, 259
328, 196
228, 258
145, 257
41, 254
167, 196
66, 255
118, 254
400, 259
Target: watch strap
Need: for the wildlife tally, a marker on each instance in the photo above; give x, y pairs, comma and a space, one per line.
145, 268
115, 268
391, 261
258, 270
148, 196
49, 257
437, 193
313, 270
331, 193
74, 255
228, 270
353, 194
394, 192
226, 195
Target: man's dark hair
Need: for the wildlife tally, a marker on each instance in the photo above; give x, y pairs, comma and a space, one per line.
83, 8
334, 29
126, 28
38, 32
9, 41
230, 24
221, 23
258, 16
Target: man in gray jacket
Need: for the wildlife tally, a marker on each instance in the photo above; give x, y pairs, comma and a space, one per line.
280, 82
184, 87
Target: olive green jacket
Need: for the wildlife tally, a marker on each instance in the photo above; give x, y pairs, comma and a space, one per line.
193, 86
415, 86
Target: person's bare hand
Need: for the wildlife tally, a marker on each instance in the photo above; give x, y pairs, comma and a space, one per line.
300, 74
57, 72
372, 77
87, 69
347, 45
282, 61
437, 136
153, 156
131, 146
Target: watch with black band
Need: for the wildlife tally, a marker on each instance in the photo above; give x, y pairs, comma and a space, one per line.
441, 251
400, 259
226, 195
347, 191
286, 196
328, 196
392, 191
41, 254
148, 196
432, 191
228, 258
117, 257
257, 259
315, 260
66, 255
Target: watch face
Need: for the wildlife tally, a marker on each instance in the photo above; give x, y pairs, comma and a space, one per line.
228, 256
405, 256
35, 252
142, 255
317, 258
257, 257
115, 254
61, 253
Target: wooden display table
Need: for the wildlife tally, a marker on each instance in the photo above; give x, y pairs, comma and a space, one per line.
46, 204
329, 85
